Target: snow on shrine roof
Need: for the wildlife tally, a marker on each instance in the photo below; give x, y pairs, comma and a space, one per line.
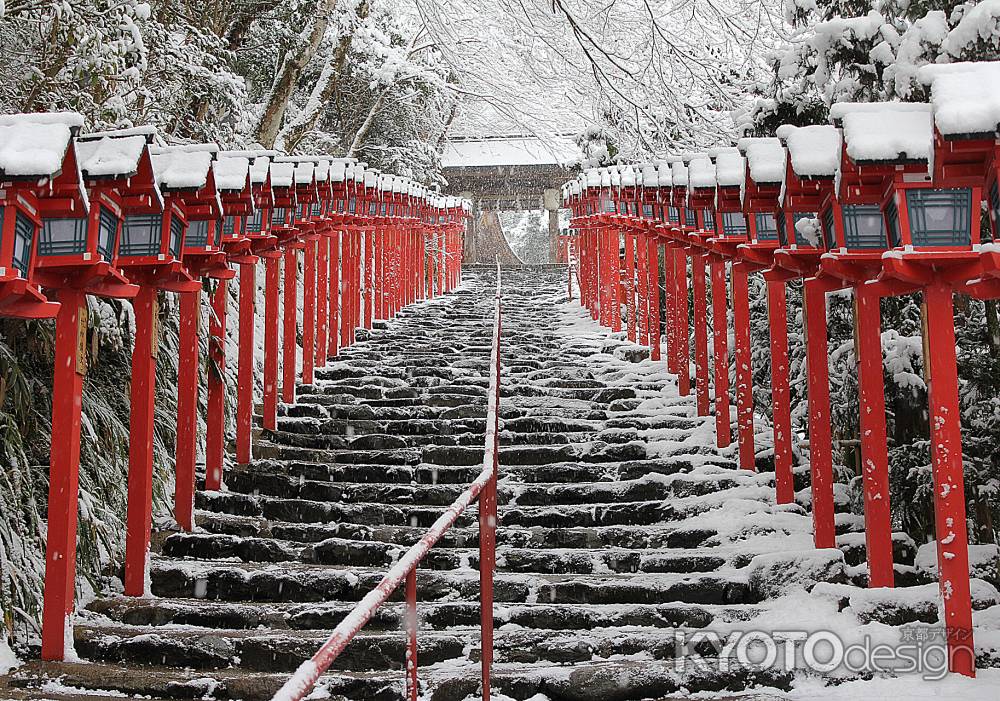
110, 153
679, 173
508, 151
282, 174
815, 150
30, 148
701, 171
183, 167
966, 96
766, 158
231, 172
730, 168
889, 131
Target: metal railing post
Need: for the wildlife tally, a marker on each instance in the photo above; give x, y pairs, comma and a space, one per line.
411, 635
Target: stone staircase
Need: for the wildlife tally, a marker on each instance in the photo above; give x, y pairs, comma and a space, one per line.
620, 525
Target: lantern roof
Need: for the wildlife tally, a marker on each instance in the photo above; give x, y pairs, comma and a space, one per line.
35, 145
282, 174
232, 172
965, 96
183, 167
815, 150
730, 168
114, 154
766, 159
701, 171
628, 176
887, 132
305, 173
679, 172
664, 175
338, 168
647, 175
371, 178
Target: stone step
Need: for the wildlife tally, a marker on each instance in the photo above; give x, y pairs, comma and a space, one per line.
538, 537
294, 582
348, 552
433, 615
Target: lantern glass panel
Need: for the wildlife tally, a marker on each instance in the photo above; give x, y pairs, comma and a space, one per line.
176, 235
141, 235
197, 235
940, 217
647, 211
623, 208
352, 205
24, 232
767, 227
734, 224
372, 208
674, 215
255, 223
829, 230
107, 233
690, 218
62, 237
279, 215
995, 209
708, 220
892, 219
317, 209
779, 220
864, 226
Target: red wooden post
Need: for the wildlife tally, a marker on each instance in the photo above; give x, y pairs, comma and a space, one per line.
615, 278
670, 309
744, 374
442, 261
777, 312
949, 485
820, 434
874, 453
630, 285
272, 284
720, 348
289, 336
643, 275
700, 333
64, 466
411, 635
215, 437
140, 454
370, 277
322, 303
682, 334
309, 312
604, 277
244, 369
187, 409
335, 311
653, 257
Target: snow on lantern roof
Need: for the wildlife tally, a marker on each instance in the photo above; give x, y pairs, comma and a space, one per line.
260, 168
840, 109
713, 153
664, 176
183, 167
784, 131
338, 171
253, 153
231, 172
30, 148
628, 176
679, 172
322, 172
146, 131
649, 177
701, 171
766, 158
593, 176
305, 173
965, 96
605, 177
371, 178
815, 150
109, 155
70, 120
282, 174
889, 132
616, 177
730, 168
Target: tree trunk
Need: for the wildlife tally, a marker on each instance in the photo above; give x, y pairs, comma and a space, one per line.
288, 74
486, 242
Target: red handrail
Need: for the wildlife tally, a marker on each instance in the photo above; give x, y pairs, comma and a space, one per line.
301, 683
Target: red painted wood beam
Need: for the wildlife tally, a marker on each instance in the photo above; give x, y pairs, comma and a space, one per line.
309, 313
322, 300
700, 333
744, 371
820, 431
245, 362
720, 352
289, 334
187, 409
874, 451
682, 334
272, 290
781, 407
216, 419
